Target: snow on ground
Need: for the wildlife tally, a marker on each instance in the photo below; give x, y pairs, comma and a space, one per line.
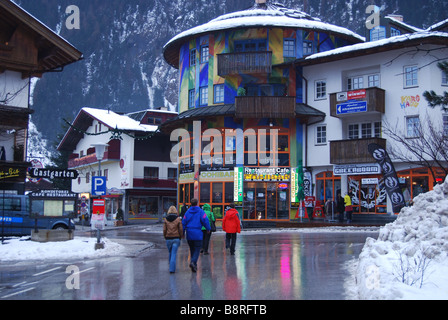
78, 248
409, 259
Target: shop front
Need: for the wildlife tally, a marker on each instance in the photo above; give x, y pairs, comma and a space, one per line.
368, 191
266, 193
149, 204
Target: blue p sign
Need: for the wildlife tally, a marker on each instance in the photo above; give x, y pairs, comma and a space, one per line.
99, 186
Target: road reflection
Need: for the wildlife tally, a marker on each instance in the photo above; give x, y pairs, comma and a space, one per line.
286, 266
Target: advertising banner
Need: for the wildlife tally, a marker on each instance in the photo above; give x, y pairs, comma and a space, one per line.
390, 176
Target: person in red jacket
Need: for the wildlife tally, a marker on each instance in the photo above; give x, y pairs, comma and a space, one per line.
231, 225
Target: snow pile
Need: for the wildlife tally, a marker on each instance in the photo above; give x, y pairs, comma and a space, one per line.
78, 248
409, 260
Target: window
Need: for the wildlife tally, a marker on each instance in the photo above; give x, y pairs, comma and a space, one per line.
394, 32
204, 54
410, 76
154, 120
308, 48
191, 96
374, 80
321, 134
321, 89
377, 130
219, 93
192, 57
203, 96
412, 127
151, 172
364, 130
353, 131
172, 173
252, 45
445, 125
377, 33
355, 83
289, 46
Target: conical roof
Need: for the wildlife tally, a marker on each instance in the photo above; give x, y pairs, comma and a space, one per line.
259, 15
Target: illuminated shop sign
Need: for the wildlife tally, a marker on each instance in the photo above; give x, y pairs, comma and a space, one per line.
267, 174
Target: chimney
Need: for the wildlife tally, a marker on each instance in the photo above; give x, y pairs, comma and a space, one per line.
397, 17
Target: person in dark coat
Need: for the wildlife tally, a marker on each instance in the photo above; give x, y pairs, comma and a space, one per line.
231, 225
183, 210
195, 218
340, 206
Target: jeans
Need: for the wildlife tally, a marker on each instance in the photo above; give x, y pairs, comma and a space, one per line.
172, 245
231, 242
195, 250
206, 240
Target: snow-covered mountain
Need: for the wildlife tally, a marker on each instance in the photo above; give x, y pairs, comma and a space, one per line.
123, 68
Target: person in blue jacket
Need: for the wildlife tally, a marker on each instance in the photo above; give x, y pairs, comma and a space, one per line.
194, 219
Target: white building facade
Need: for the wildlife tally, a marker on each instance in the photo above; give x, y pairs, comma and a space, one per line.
140, 178
371, 92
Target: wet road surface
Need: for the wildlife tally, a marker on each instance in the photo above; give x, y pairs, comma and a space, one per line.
287, 265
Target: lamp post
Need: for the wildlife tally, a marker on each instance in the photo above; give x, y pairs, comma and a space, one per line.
100, 148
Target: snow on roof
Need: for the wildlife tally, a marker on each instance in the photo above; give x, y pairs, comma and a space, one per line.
437, 25
377, 44
114, 120
403, 24
274, 15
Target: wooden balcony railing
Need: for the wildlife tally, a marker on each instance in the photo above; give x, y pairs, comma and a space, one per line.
244, 63
353, 151
375, 98
265, 107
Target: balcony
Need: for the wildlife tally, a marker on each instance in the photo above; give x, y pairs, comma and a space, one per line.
353, 151
375, 99
112, 154
244, 63
265, 107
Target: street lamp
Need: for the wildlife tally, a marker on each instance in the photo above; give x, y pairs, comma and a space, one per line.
100, 148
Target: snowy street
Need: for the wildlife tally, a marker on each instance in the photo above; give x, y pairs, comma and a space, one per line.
276, 264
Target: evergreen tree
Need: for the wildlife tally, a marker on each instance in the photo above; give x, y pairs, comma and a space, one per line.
433, 98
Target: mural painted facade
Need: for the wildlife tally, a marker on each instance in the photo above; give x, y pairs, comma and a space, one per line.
242, 82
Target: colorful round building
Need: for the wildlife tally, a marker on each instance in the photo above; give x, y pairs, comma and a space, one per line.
243, 111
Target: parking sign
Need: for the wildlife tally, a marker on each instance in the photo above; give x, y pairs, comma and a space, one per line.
99, 186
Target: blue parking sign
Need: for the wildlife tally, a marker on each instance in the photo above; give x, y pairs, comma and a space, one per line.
99, 186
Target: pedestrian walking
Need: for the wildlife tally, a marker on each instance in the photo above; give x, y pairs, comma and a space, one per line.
183, 210
206, 235
340, 206
173, 232
348, 207
195, 218
231, 225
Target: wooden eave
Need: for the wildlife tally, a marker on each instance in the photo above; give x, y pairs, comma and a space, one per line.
30, 47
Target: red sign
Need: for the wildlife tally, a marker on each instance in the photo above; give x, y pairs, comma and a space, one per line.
356, 94
309, 201
99, 206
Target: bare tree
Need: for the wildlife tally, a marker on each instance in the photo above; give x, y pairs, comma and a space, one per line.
428, 147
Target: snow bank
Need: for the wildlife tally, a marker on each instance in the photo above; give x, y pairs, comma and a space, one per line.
78, 248
409, 260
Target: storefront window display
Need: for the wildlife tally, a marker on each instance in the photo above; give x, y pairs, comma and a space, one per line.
416, 181
218, 195
143, 207
266, 200
368, 194
327, 186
